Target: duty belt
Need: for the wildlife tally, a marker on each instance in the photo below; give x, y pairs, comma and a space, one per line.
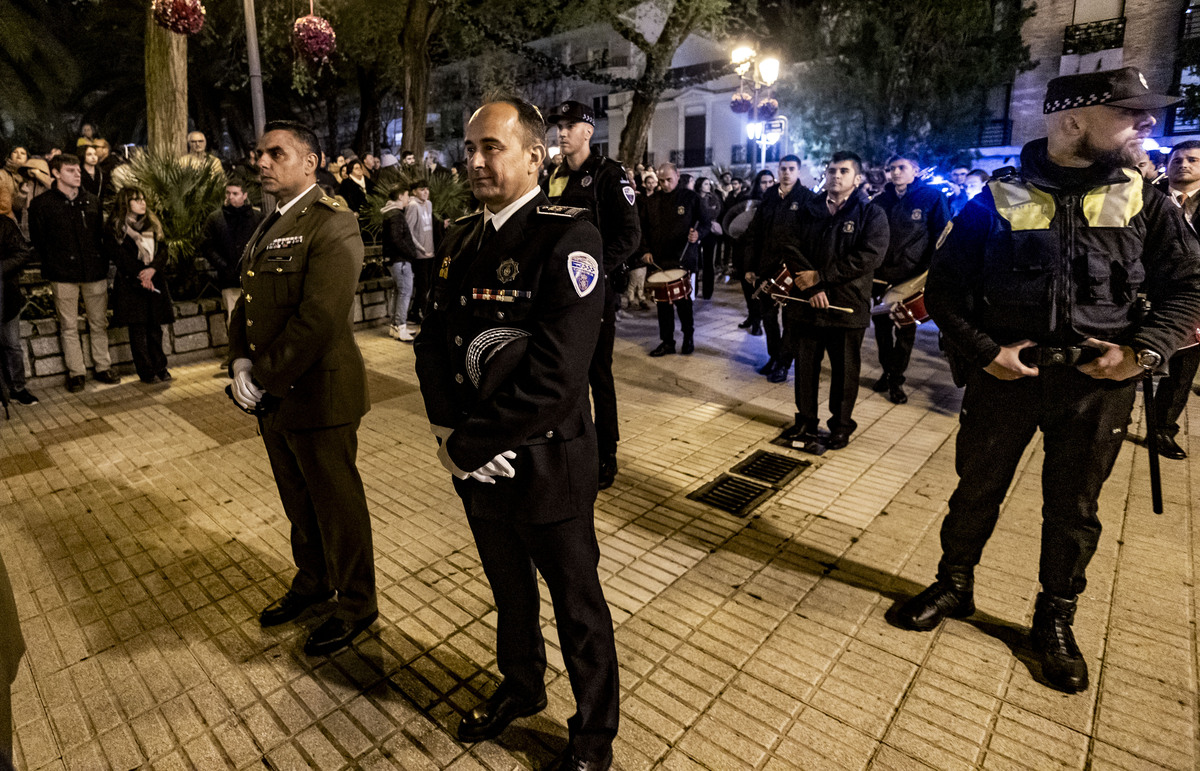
1067, 355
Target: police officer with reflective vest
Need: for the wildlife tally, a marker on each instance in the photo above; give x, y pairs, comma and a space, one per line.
1036, 288
502, 359
917, 214
590, 181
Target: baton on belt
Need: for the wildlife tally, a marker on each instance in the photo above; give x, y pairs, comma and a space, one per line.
1156, 498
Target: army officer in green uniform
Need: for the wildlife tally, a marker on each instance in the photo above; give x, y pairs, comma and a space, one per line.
295, 362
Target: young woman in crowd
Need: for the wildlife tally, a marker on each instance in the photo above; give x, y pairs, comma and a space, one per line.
93, 176
134, 242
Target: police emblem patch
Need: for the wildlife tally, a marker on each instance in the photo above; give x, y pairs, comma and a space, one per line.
586, 181
584, 272
629, 194
916, 215
680, 211
848, 227
795, 206
507, 271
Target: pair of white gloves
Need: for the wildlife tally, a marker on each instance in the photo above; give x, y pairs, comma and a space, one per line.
498, 466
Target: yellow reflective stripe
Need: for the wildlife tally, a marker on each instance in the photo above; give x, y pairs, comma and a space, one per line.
1024, 206
558, 184
1114, 206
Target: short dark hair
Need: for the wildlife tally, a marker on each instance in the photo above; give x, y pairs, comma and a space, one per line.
790, 159
1191, 144
417, 184
407, 154
983, 176
847, 155
301, 133
959, 166
236, 180
529, 118
63, 159
396, 192
910, 157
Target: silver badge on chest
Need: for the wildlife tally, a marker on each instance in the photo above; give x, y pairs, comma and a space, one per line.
507, 271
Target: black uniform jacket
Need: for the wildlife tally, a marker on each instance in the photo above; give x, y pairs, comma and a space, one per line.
1064, 261
845, 249
600, 186
667, 217
14, 255
774, 233
916, 219
226, 233
503, 359
293, 319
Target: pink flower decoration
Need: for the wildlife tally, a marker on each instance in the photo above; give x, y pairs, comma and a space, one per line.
183, 17
741, 102
314, 38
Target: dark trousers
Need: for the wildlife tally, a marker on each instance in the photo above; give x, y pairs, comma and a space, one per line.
708, 254
12, 357
666, 320
566, 554
895, 347
145, 344
422, 283
600, 376
770, 313
1171, 396
322, 494
844, 346
1083, 421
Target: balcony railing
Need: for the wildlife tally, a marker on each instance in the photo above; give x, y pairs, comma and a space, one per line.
995, 133
1094, 36
1191, 23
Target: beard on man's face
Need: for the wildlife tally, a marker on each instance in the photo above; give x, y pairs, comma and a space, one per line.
1127, 155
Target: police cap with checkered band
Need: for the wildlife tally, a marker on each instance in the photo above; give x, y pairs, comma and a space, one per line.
1126, 87
574, 112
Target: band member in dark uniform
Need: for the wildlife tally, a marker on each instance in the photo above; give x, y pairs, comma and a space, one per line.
294, 358
917, 214
503, 359
773, 233
842, 237
588, 180
1182, 186
1035, 288
674, 221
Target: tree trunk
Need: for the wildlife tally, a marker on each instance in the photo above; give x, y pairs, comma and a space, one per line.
637, 129
418, 29
366, 135
166, 89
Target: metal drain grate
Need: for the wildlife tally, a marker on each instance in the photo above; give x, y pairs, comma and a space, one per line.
731, 494
771, 467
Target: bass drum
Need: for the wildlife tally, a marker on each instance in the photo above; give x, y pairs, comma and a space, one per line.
737, 220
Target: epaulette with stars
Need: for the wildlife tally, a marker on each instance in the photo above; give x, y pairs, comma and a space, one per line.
570, 212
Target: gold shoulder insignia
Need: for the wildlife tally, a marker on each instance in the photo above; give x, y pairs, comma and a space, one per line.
553, 210
466, 217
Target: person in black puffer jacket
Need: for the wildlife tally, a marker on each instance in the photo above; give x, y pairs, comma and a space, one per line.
226, 234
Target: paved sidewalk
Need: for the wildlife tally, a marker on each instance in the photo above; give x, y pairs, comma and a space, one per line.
143, 533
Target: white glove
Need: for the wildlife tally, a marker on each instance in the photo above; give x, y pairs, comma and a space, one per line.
499, 466
496, 467
244, 391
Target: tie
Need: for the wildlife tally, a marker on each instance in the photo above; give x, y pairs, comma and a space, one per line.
489, 231
270, 223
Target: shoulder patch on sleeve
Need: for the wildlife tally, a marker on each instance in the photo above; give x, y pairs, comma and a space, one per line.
629, 193
570, 212
584, 272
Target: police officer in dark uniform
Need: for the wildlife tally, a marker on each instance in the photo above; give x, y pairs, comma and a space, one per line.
917, 214
772, 236
295, 362
1035, 288
674, 221
503, 360
590, 181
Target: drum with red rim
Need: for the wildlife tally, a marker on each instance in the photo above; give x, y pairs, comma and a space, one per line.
904, 303
668, 286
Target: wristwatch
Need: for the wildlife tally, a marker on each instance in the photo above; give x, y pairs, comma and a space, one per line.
1148, 359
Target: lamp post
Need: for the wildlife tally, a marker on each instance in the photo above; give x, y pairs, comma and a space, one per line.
762, 74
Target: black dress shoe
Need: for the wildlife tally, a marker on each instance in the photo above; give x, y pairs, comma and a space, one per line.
746, 324
1063, 665
489, 718
767, 368
336, 633
896, 394
663, 349
881, 384
756, 329
107, 376
837, 441
780, 373
608, 471
951, 596
688, 346
569, 761
800, 433
289, 606
75, 383
1169, 448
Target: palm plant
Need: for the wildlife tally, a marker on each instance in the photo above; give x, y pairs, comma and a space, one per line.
183, 195
450, 194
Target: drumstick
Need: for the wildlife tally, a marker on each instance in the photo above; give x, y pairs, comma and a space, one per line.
809, 302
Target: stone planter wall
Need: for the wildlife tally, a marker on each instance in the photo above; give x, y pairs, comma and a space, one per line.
198, 332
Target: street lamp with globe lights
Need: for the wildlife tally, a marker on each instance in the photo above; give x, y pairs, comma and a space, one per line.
762, 74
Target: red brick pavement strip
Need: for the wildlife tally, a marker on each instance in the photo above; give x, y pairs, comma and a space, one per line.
149, 534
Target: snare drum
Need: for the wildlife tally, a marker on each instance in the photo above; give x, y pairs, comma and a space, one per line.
1192, 340
905, 303
668, 286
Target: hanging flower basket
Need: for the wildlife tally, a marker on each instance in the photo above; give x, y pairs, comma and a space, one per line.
183, 17
741, 103
767, 109
314, 39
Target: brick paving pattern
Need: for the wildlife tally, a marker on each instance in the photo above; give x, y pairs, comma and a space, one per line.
143, 533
